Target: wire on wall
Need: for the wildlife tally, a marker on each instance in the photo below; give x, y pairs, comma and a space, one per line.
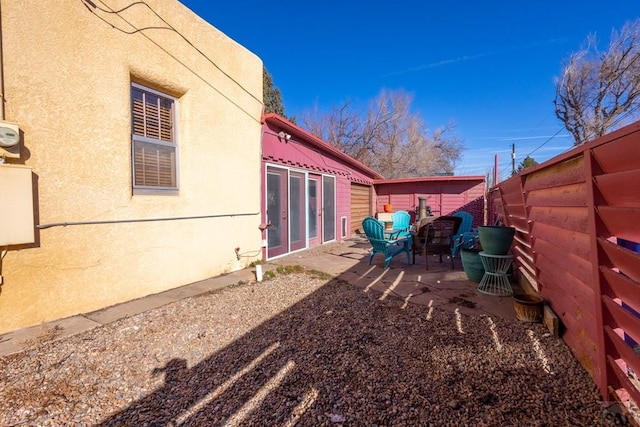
92, 7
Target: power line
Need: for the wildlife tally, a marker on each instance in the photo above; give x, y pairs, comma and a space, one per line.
88, 3
170, 27
545, 143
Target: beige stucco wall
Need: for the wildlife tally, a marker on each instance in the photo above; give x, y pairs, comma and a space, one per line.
67, 77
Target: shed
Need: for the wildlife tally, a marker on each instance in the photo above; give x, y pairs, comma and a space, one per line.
444, 194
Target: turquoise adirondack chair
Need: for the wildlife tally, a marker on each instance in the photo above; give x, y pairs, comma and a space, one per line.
386, 246
464, 237
402, 221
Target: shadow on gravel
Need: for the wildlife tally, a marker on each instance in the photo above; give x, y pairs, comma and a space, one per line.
342, 356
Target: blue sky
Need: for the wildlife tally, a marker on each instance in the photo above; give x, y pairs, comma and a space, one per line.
487, 66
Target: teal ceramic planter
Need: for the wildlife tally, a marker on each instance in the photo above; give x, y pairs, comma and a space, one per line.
472, 264
496, 240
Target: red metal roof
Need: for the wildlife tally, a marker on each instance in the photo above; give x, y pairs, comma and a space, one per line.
301, 134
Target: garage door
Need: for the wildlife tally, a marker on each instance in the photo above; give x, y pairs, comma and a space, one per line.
360, 206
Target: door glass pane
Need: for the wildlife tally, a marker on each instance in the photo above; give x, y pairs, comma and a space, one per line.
295, 216
328, 208
273, 209
313, 203
297, 211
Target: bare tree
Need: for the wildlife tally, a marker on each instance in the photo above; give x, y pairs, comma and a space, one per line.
600, 91
388, 137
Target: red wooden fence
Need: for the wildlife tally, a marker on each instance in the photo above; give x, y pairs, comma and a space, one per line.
569, 213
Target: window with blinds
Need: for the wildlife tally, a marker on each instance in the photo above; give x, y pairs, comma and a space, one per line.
153, 140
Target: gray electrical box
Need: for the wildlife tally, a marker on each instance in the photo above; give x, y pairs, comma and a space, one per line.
16, 205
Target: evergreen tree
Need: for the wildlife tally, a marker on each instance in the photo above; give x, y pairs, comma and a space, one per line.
527, 162
271, 95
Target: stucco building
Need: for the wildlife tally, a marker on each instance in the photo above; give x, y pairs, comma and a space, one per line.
139, 127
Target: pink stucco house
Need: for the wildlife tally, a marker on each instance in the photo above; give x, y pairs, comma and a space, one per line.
312, 193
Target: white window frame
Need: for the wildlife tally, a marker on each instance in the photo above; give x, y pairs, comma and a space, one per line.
141, 139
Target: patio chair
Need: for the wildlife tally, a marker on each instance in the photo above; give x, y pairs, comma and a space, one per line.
389, 247
402, 221
439, 237
419, 234
464, 237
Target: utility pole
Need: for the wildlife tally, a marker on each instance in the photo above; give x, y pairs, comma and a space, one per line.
513, 159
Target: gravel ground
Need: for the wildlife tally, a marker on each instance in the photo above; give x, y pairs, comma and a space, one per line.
299, 350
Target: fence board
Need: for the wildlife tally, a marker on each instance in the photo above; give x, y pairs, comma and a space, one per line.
622, 287
623, 380
564, 261
519, 222
627, 261
566, 218
583, 349
621, 155
511, 185
623, 350
569, 241
513, 197
617, 190
566, 195
581, 294
514, 211
620, 222
622, 318
556, 175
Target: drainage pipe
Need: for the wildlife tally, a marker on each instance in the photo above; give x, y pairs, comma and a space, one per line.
1, 70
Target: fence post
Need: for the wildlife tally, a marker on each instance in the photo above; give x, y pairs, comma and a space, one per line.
602, 376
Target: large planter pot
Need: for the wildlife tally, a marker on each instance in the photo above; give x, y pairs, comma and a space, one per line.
496, 240
529, 308
472, 264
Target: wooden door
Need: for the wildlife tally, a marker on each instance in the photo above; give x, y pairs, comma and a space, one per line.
360, 206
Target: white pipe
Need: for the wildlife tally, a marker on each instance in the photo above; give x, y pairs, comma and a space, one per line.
1, 70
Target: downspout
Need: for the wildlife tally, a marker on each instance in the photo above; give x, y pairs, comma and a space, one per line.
1, 70
2, 158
